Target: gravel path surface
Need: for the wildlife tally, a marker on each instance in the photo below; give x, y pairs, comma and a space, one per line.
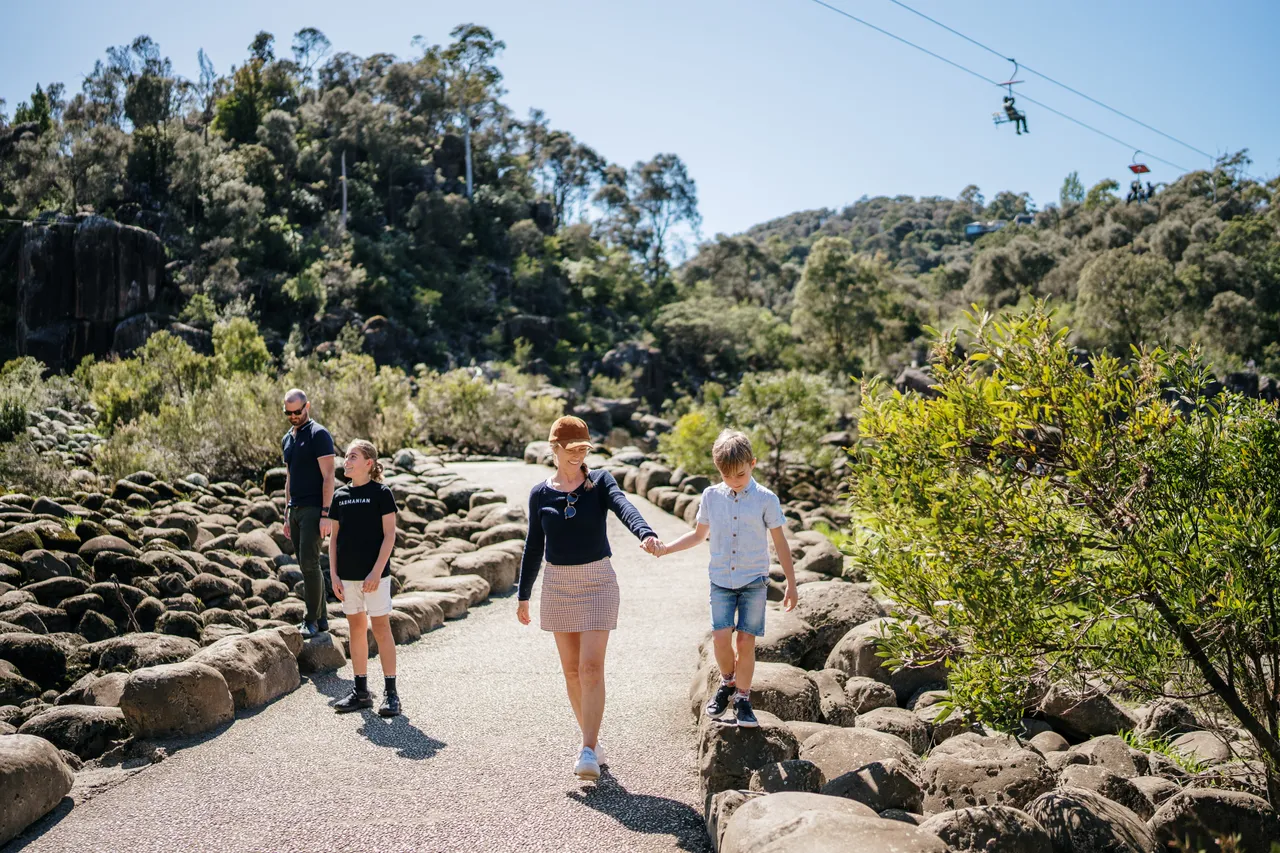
482, 758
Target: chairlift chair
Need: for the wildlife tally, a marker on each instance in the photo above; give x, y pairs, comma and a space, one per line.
1136, 167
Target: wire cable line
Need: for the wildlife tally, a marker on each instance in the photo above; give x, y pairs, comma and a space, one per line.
987, 79
1049, 79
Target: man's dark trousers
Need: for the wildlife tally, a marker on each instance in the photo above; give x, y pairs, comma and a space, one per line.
304, 530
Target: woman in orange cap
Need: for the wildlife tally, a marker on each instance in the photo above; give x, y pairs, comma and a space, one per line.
567, 514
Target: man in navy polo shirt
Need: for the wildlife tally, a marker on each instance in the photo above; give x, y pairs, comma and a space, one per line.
308, 493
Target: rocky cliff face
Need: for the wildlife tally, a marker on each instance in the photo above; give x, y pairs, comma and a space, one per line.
78, 280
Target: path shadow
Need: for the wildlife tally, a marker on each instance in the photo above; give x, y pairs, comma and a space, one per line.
396, 733
645, 813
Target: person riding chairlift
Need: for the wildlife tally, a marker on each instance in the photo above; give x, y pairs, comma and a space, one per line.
1015, 115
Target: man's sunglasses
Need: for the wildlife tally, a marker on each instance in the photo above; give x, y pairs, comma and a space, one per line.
570, 511
294, 413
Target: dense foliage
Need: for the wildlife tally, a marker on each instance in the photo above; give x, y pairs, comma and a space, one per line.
482, 235
1110, 521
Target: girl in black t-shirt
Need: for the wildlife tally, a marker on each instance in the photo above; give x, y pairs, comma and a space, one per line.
363, 536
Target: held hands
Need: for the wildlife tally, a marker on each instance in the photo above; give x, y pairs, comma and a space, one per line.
338, 589
653, 545
522, 612
790, 597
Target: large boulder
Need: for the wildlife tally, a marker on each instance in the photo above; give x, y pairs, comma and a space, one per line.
1196, 818
54, 591
258, 543
650, 476
815, 823
1082, 712
785, 691
475, 588
135, 651
880, 785
821, 556
176, 699
856, 652
833, 609
989, 829
258, 667
720, 808
727, 754
92, 689
1111, 752
787, 639
793, 775
322, 653
38, 657
967, 771
85, 730
899, 722
34, 777
1080, 821
452, 605
1102, 781
837, 751
90, 550
834, 705
15, 688
866, 694
496, 565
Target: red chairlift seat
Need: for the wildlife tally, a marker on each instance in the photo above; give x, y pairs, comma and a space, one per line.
1138, 168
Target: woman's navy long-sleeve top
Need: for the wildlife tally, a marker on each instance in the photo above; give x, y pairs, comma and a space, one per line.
581, 539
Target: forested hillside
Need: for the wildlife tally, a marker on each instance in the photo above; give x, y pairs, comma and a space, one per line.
552, 255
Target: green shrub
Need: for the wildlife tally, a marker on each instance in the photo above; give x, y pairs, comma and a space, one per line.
688, 445
471, 413
354, 398
1057, 520
23, 468
22, 380
240, 347
13, 420
612, 389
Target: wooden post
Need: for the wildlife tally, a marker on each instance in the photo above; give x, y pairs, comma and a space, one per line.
466, 119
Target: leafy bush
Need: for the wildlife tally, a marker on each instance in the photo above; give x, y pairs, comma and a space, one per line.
462, 409
13, 420
785, 414
354, 398
23, 468
237, 344
23, 381
688, 445
1101, 521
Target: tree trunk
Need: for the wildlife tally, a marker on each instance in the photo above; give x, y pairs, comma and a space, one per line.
1266, 741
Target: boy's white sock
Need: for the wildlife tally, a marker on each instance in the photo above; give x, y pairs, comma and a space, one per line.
725, 681
742, 694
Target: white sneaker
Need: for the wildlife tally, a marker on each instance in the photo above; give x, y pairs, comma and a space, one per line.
588, 767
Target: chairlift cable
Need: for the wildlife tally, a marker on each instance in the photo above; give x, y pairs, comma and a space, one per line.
1049, 79
987, 79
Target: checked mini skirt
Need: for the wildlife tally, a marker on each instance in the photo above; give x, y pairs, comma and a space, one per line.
579, 598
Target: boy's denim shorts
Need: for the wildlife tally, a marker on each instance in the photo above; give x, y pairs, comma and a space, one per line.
741, 608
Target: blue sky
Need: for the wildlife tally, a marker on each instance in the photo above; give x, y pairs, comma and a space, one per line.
779, 105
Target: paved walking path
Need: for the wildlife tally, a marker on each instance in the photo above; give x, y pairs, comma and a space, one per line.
482, 758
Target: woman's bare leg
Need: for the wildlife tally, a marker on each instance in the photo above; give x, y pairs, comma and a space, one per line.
569, 644
591, 679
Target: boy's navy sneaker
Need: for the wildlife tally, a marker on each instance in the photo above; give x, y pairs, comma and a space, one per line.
390, 705
744, 715
353, 701
720, 702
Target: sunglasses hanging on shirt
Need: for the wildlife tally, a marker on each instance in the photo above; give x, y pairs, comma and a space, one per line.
570, 511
